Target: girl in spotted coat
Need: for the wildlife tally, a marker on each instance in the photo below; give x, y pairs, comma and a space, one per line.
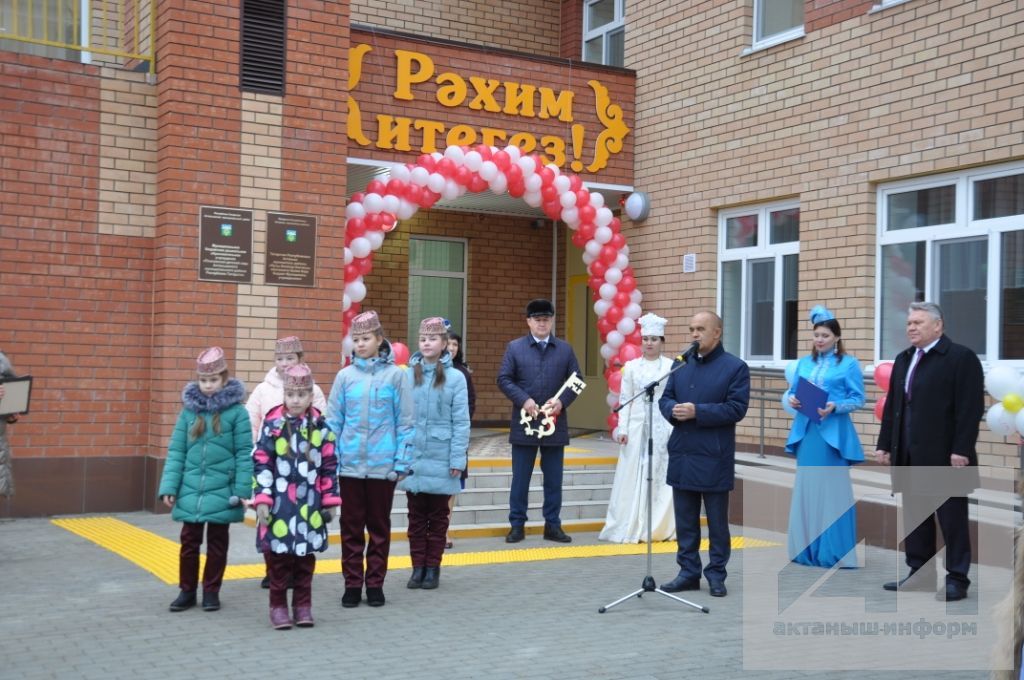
294, 469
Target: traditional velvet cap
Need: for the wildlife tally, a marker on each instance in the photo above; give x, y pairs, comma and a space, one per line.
435, 325
289, 345
298, 377
821, 313
367, 322
211, 362
540, 307
652, 325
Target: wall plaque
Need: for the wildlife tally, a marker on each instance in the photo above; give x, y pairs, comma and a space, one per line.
291, 250
225, 245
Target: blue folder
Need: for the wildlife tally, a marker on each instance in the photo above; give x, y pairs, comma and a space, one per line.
811, 398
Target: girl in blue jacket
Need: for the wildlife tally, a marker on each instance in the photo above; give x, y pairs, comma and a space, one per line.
208, 469
370, 412
439, 449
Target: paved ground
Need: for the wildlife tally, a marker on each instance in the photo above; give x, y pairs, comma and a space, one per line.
72, 609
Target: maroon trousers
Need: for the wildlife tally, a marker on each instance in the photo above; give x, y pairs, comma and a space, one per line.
365, 506
281, 569
216, 556
428, 525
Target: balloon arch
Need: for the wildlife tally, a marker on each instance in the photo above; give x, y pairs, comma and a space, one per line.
371, 214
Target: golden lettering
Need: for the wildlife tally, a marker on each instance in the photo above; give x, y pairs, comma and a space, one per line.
525, 141
431, 129
484, 98
461, 135
393, 133
452, 94
355, 124
559, 107
554, 148
519, 99
491, 136
405, 77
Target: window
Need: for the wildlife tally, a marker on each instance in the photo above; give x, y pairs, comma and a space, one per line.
604, 31
777, 21
26, 26
437, 283
759, 259
957, 240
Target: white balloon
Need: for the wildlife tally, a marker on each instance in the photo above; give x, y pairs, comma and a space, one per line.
533, 183
406, 209
607, 351
419, 176
435, 182
499, 184
347, 346
615, 339
401, 173
346, 302
1019, 421
436, 155
602, 235
568, 199
514, 153
356, 290
588, 258
612, 399
613, 275
592, 248
626, 325
451, 190
571, 217
533, 198
391, 203
621, 260
632, 311
607, 290
596, 200
376, 238
355, 210
360, 247
604, 217
601, 307
488, 171
562, 184
373, 203
349, 256
456, 154
624, 249
636, 297
616, 433
1001, 380
1000, 421
527, 165
473, 161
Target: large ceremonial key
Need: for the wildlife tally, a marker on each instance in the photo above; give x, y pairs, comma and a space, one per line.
547, 423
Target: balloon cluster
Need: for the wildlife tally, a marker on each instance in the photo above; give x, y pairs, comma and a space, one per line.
883, 373
371, 214
1006, 386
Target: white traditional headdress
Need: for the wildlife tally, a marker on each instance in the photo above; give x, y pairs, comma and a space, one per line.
652, 324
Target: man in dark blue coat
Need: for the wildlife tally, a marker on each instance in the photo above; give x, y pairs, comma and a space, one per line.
535, 366
703, 401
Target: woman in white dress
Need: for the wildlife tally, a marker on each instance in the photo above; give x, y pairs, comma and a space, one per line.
626, 521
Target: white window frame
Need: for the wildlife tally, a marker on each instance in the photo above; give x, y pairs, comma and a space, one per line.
963, 228
464, 275
761, 42
617, 23
762, 250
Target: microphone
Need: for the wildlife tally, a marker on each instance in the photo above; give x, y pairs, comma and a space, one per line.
689, 352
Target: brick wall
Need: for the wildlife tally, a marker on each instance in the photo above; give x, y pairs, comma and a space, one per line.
863, 99
530, 26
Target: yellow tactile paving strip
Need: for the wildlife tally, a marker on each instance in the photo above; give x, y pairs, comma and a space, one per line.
159, 555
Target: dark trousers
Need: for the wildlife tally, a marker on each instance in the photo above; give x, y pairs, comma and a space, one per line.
952, 519
428, 524
687, 511
366, 506
523, 459
282, 569
216, 555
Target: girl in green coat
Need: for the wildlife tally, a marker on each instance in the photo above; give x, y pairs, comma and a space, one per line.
208, 470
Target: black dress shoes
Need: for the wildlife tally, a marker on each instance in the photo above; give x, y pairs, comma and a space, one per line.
416, 580
951, 593
211, 601
431, 576
553, 533
375, 597
681, 583
914, 581
515, 535
717, 589
186, 600
352, 597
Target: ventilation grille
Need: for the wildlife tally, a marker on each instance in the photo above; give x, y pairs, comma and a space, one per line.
263, 46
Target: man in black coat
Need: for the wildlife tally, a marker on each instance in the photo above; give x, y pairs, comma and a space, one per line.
703, 401
932, 411
533, 369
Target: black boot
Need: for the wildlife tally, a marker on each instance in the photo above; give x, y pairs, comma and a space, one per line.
431, 575
352, 597
186, 600
416, 580
211, 601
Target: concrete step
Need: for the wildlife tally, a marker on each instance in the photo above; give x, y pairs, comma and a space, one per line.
502, 478
499, 495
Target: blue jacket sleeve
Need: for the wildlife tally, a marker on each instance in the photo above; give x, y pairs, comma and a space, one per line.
853, 387
336, 406
405, 419
668, 400
460, 422
734, 408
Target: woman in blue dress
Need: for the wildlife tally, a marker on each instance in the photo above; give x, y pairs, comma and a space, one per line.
822, 519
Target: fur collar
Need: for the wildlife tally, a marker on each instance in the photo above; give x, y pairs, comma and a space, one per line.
194, 400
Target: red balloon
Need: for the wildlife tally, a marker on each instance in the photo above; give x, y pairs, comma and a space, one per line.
426, 161
883, 372
577, 240
547, 176
880, 407
636, 337
587, 213
616, 225
517, 188
447, 167
582, 195
395, 187
598, 268
400, 353
621, 299
612, 421
618, 240
351, 272
350, 314
375, 186
514, 173
604, 326
429, 199
387, 221
357, 197
615, 381
463, 175
595, 281
587, 229
553, 209
364, 264
608, 254
484, 151
614, 314
414, 193
477, 184
575, 184
502, 160
628, 352
356, 227
548, 192
373, 221
627, 284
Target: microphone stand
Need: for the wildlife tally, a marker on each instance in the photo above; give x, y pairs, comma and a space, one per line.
648, 585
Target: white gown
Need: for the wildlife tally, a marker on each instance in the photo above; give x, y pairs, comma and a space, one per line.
626, 521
